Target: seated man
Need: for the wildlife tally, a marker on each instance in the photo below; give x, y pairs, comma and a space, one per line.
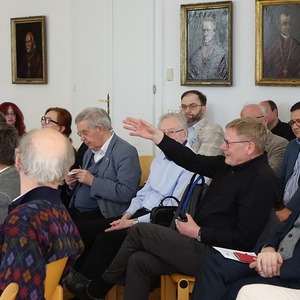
290, 169
276, 264
38, 229
205, 137
276, 145
9, 177
243, 187
165, 179
274, 123
110, 174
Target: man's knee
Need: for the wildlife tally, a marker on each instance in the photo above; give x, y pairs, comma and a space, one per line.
139, 262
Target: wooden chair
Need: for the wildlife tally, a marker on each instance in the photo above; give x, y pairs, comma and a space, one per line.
10, 292
54, 270
145, 163
176, 286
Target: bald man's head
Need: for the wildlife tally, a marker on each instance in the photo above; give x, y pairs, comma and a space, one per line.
45, 155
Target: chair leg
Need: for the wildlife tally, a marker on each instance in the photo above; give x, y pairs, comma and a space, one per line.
167, 288
183, 290
112, 294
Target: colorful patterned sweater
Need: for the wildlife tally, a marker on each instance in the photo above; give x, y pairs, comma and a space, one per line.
38, 231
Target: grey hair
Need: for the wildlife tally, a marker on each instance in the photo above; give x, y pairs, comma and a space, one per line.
95, 117
41, 168
182, 120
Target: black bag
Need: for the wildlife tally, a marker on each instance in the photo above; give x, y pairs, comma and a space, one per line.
190, 199
166, 215
163, 215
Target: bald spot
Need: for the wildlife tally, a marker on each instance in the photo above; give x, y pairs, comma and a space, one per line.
49, 143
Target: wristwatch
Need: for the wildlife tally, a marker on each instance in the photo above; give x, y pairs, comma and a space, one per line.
134, 221
199, 235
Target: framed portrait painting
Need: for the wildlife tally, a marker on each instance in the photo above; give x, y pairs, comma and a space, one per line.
206, 44
28, 50
277, 42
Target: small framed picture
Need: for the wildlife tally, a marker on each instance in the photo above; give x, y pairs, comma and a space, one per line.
277, 42
206, 43
28, 50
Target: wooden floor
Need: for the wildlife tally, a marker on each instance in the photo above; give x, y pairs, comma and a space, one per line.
155, 295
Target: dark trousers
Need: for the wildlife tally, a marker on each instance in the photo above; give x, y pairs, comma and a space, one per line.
100, 248
219, 278
151, 250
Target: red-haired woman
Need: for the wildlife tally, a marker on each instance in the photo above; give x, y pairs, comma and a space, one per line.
14, 116
59, 119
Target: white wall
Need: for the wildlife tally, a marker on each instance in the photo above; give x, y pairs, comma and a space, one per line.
224, 102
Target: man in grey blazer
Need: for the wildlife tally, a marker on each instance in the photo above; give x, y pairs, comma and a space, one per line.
276, 145
110, 175
205, 137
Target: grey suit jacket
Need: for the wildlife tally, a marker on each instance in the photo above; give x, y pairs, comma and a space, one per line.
117, 179
9, 189
275, 148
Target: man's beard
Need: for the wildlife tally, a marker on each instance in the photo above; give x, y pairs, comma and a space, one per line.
193, 119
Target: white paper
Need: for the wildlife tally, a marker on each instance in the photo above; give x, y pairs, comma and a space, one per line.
229, 253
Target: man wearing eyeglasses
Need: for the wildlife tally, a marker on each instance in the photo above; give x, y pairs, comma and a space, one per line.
276, 145
290, 169
243, 187
110, 175
204, 136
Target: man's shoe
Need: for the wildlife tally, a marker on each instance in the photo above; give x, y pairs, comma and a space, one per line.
77, 284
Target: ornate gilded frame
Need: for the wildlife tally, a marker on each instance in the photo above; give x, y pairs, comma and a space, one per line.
25, 63
273, 64
216, 68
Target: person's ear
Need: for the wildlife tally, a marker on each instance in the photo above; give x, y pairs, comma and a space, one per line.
62, 129
18, 162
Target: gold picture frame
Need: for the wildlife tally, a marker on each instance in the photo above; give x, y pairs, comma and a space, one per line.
206, 60
277, 57
28, 50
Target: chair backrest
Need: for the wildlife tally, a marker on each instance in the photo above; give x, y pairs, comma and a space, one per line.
10, 292
54, 271
145, 163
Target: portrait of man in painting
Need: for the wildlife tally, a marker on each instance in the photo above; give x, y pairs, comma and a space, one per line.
29, 59
281, 41
207, 44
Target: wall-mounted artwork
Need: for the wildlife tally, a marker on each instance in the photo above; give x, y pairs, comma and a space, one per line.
206, 43
277, 42
28, 50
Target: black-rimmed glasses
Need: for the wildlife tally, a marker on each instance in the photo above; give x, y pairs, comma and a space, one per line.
47, 120
190, 106
292, 122
227, 143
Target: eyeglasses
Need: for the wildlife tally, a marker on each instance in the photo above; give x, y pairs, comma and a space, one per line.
292, 122
190, 106
171, 132
47, 120
85, 132
227, 143
11, 114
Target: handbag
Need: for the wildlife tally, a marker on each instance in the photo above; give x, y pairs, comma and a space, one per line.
166, 215
191, 198
163, 215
